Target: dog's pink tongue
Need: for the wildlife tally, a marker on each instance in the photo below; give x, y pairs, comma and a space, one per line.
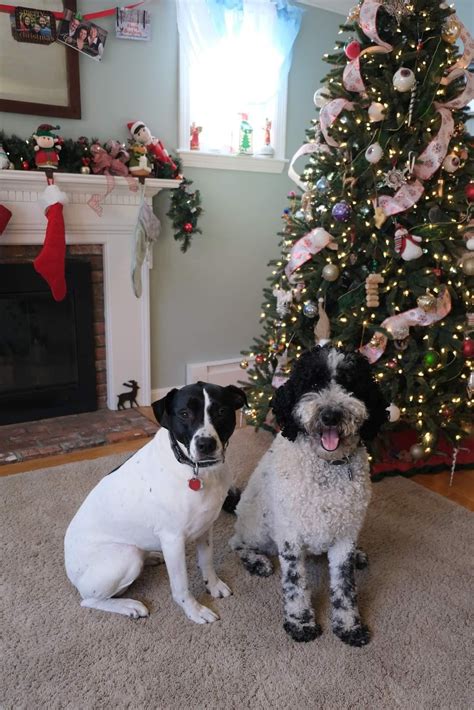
330, 438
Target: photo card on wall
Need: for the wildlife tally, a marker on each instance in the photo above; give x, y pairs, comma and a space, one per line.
36, 26
87, 37
132, 24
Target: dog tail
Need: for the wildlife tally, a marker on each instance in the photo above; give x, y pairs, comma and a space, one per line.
233, 497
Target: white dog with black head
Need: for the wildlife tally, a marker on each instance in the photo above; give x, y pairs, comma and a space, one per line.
167, 493
311, 489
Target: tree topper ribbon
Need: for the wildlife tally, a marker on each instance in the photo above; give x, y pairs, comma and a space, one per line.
306, 247
399, 326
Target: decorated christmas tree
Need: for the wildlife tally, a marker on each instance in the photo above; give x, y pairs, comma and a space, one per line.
376, 244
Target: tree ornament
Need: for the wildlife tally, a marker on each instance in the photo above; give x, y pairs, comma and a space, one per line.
398, 9
330, 272
188, 227
406, 244
376, 112
259, 359
404, 80
431, 358
392, 364
85, 169
322, 185
374, 153
310, 309
322, 329
469, 190
393, 413
451, 30
244, 364
25, 165
284, 300
468, 348
417, 452
446, 411
411, 107
467, 264
352, 49
470, 385
395, 178
342, 211
354, 13
376, 341
401, 343
427, 302
4, 159
451, 163
372, 283
321, 97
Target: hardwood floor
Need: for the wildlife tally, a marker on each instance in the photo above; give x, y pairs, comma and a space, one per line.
461, 492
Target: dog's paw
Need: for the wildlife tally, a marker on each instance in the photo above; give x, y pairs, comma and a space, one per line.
361, 559
259, 565
154, 558
219, 589
302, 632
199, 613
357, 636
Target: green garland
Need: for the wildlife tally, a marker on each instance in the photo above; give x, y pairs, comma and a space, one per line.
185, 206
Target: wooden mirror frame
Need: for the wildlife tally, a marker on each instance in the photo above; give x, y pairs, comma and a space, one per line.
73, 107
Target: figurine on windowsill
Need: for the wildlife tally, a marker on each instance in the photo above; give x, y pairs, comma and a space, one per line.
46, 148
142, 135
194, 132
130, 397
267, 148
245, 136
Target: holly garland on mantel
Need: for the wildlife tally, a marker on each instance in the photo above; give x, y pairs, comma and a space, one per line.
85, 155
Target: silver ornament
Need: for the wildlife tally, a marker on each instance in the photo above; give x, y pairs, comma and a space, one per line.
417, 452
404, 80
310, 309
376, 112
321, 97
468, 265
330, 272
394, 178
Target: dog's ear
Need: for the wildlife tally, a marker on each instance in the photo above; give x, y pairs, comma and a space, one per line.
236, 395
162, 408
369, 392
282, 404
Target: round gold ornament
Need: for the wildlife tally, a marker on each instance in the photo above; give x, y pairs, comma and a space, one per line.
85, 170
330, 272
244, 364
417, 452
451, 30
427, 302
468, 265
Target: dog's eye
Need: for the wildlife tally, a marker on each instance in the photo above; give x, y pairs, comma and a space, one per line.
183, 414
222, 411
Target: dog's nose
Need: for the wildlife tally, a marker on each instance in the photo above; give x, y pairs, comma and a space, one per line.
206, 444
330, 416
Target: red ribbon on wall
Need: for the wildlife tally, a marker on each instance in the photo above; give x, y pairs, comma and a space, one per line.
89, 16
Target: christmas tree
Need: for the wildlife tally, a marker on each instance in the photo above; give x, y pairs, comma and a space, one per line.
376, 247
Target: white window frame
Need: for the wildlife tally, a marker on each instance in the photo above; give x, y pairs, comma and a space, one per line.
221, 161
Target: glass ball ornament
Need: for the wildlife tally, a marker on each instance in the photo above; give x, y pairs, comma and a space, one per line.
244, 364
310, 309
431, 358
392, 364
374, 153
417, 452
341, 211
25, 165
468, 265
321, 97
330, 272
451, 30
393, 413
469, 191
451, 163
188, 227
85, 169
352, 49
260, 359
322, 185
468, 348
376, 112
404, 80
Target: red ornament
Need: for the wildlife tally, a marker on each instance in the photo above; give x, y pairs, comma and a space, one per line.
86, 161
195, 484
352, 50
25, 165
447, 412
438, 272
392, 364
420, 45
259, 359
188, 227
468, 348
470, 192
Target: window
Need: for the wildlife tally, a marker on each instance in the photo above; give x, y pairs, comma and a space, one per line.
234, 62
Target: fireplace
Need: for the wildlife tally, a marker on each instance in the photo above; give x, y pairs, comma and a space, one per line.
47, 353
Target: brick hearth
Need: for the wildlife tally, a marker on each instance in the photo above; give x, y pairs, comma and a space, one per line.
48, 437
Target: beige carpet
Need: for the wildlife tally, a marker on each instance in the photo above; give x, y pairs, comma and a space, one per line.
415, 597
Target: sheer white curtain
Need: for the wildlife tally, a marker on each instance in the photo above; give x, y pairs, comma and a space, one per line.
237, 54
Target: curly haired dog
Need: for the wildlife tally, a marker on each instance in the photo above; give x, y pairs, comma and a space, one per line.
311, 489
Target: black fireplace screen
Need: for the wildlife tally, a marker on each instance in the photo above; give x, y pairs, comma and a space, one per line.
47, 364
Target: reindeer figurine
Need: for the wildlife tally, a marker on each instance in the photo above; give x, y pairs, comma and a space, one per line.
128, 396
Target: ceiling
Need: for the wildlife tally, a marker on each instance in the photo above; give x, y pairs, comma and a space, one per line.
340, 6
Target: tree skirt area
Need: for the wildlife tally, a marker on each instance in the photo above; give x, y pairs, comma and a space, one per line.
415, 596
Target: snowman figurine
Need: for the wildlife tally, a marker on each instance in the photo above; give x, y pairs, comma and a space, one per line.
407, 245
4, 160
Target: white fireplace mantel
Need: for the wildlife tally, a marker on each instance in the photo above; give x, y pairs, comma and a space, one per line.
127, 318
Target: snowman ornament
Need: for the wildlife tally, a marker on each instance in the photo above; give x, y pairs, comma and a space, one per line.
407, 245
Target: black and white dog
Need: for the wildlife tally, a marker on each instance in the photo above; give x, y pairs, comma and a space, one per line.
311, 489
167, 493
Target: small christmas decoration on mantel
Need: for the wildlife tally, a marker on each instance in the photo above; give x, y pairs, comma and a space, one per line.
47, 147
130, 397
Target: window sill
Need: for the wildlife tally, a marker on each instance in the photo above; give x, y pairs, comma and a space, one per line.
249, 163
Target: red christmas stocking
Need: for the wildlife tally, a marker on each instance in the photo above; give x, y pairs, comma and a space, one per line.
5, 215
51, 260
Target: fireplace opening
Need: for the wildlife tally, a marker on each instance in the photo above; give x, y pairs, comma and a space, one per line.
47, 358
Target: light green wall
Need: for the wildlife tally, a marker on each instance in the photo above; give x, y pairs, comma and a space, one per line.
205, 303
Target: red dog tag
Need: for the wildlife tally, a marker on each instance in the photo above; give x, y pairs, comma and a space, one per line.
195, 484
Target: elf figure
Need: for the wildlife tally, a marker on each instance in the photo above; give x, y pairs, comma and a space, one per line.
142, 135
46, 148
